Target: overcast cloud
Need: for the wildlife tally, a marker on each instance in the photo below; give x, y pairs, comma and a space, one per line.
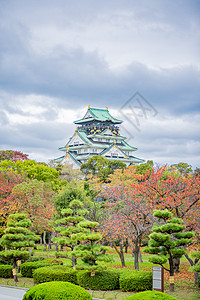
56, 57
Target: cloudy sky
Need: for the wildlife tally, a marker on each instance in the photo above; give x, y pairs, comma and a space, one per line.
139, 58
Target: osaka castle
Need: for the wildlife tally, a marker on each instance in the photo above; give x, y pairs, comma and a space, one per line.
97, 133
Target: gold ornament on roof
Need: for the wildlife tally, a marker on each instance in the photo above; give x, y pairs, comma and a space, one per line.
106, 107
88, 106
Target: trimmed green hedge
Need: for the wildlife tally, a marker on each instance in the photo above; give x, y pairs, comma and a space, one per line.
27, 268
150, 295
57, 290
6, 271
55, 273
136, 281
102, 280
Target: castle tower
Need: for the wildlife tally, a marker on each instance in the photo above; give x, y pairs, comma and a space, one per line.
97, 133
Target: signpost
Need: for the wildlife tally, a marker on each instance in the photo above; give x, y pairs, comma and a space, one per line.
158, 279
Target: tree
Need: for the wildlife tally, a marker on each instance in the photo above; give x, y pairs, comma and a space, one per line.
17, 236
32, 170
126, 223
101, 167
73, 191
167, 241
89, 248
35, 199
13, 155
68, 227
8, 180
196, 265
182, 167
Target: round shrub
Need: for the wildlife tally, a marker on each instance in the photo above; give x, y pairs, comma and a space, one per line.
102, 280
136, 281
148, 295
6, 271
57, 290
27, 268
55, 273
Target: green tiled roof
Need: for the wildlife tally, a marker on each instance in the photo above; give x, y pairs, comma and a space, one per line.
127, 146
82, 134
74, 159
98, 114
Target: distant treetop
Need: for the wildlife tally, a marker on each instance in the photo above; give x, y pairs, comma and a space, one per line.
13, 155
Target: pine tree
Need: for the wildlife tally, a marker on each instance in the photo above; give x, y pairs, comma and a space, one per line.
167, 241
16, 239
67, 227
90, 250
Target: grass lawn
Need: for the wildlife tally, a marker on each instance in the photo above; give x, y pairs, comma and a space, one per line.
184, 281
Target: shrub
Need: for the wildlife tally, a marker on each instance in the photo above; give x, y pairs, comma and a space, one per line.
150, 295
35, 258
57, 290
102, 280
6, 271
27, 268
136, 281
55, 273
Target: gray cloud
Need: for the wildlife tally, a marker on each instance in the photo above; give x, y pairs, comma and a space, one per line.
68, 54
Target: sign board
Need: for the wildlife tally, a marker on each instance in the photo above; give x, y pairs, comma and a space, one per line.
158, 279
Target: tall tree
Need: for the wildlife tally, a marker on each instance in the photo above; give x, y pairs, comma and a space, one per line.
35, 198
16, 239
68, 227
167, 241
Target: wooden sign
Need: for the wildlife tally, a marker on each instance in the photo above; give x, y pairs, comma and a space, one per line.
158, 279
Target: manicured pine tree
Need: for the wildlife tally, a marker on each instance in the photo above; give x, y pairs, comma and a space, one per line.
90, 250
67, 227
16, 239
167, 241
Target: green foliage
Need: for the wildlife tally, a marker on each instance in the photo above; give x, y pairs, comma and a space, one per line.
55, 273
57, 290
16, 237
73, 191
27, 268
33, 170
136, 281
150, 295
6, 271
182, 167
101, 167
167, 240
142, 169
102, 280
196, 267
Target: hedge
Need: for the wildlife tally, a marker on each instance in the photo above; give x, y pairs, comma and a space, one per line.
136, 281
55, 273
150, 295
27, 268
6, 271
102, 280
57, 290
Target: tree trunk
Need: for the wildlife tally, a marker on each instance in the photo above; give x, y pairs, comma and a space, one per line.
49, 240
171, 278
196, 277
74, 261
192, 263
140, 257
126, 246
44, 241
14, 271
136, 252
120, 253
